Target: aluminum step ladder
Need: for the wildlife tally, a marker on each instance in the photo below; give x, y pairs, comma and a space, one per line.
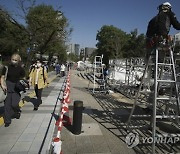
98, 76
163, 107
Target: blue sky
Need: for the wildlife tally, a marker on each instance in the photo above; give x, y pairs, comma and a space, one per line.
86, 17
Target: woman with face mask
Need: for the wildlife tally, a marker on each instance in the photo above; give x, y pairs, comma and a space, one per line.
14, 73
38, 78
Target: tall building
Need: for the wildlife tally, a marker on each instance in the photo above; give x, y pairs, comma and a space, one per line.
89, 51
70, 48
77, 49
177, 38
73, 48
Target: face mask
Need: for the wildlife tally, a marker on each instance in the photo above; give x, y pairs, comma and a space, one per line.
14, 62
38, 65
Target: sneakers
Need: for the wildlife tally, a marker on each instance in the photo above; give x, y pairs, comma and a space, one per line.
35, 108
18, 115
7, 124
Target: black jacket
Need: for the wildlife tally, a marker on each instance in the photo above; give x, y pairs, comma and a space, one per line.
160, 24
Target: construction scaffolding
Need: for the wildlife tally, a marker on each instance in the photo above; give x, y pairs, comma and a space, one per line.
129, 72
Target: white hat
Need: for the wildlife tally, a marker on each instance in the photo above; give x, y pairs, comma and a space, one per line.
167, 4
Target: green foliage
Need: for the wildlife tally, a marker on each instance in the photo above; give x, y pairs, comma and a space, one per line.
110, 42
73, 57
45, 32
91, 58
114, 43
56, 48
135, 46
12, 38
45, 25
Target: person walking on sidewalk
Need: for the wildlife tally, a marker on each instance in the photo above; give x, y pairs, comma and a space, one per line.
63, 69
14, 73
38, 78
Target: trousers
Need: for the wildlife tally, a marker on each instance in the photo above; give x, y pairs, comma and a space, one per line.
11, 104
38, 95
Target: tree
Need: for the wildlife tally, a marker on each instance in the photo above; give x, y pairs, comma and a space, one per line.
135, 46
45, 26
110, 42
12, 38
73, 57
44, 30
56, 48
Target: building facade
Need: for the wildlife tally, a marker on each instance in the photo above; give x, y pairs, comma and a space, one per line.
73, 48
89, 51
177, 38
77, 49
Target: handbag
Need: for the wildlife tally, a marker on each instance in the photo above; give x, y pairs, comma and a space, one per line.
3, 93
21, 85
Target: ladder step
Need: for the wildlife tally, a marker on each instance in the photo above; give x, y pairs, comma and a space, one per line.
145, 91
167, 116
141, 116
164, 64
165, 98
171, 81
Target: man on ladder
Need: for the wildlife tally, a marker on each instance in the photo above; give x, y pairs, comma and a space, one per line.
159, 26
157, 32
159, 44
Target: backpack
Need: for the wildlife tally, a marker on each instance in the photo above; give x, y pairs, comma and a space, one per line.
159, 25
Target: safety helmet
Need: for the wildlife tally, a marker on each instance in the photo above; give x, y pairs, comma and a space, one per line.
167, 4
165, 7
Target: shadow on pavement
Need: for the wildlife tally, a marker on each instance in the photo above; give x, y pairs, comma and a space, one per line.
31, 100
114, 116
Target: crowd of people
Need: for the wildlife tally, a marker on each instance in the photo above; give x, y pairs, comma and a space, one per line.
60, 69
14, 81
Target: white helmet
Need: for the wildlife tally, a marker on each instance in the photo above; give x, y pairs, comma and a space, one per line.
167, 4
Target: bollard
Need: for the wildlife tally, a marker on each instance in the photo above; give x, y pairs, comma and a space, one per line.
77, 117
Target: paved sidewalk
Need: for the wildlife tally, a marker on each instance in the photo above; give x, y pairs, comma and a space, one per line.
32, 133
102, 124
99, 135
